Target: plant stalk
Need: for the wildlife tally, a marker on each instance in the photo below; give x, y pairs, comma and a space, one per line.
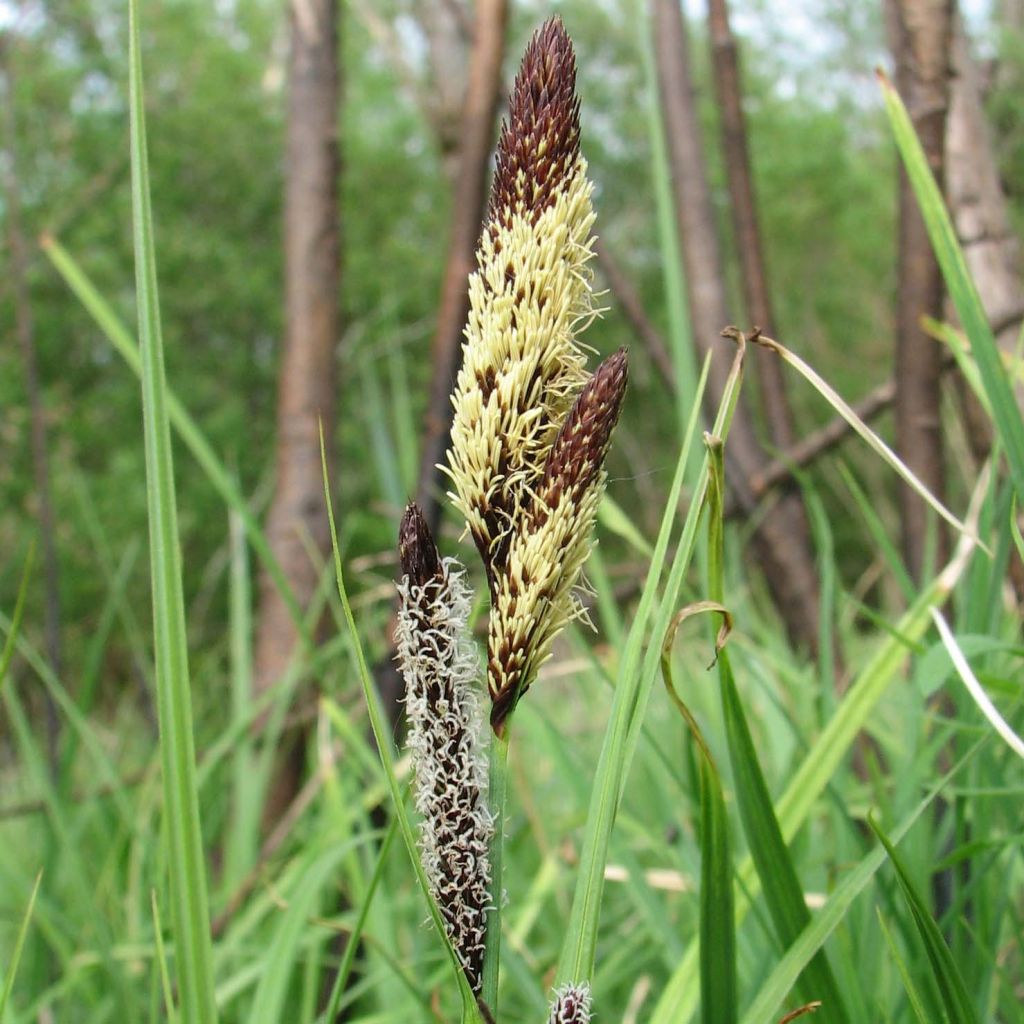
497, 793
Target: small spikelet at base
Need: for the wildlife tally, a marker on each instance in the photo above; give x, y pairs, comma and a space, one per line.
438, 661
571, 1005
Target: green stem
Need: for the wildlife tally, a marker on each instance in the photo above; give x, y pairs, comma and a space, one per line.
498, 790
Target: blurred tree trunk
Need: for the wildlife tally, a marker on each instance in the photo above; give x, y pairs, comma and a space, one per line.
919, 35
1010, 16
743, 207
982, 219
448, 30
978, 204
298, 516
781, 541
468, 207
439, 90
24, 329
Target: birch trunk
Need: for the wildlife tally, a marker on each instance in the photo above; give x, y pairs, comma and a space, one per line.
781, 542
919, 32
298, 514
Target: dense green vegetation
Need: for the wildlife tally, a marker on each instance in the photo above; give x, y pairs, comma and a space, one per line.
892, 742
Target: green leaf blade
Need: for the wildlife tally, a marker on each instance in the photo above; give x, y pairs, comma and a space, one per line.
955, 999
190, 910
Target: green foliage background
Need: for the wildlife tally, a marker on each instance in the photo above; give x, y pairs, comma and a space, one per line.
215, 81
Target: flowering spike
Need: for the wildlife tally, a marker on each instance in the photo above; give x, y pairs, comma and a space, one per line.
578, 453
521, 364
540, 141
438, 661
571, 1005
534, 596
529, 433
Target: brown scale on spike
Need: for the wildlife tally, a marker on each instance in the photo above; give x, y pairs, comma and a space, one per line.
540, 140
417, 553
530, 428
583, 440
522, 366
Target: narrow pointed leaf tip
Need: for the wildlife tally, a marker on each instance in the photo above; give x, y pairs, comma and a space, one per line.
534, 597
571, 1005
438, 661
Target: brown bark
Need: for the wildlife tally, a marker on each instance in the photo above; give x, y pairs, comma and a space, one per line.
470, 197
919, 33
298, 513
982, 220
25, 331
781, 542
743, 206
980, 213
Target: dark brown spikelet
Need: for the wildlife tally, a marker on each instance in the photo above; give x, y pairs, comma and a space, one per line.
534, 597
417, 553
540, 140
571, 1005
583, 440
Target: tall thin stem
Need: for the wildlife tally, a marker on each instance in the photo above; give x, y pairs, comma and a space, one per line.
497, 796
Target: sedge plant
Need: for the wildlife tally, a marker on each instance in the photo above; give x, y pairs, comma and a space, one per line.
529, 437
531, 429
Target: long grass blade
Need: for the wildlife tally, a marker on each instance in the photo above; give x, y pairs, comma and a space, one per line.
783, 893
161, 959
19, 945
955, 999
909, 985
82, 729
678, 1001
636, 677
317, 867
193, 951
355, 935
784, 975
874, 442
680, 337
974, 688
580, 942
718, 988
497, 796
246, 794
19, 611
